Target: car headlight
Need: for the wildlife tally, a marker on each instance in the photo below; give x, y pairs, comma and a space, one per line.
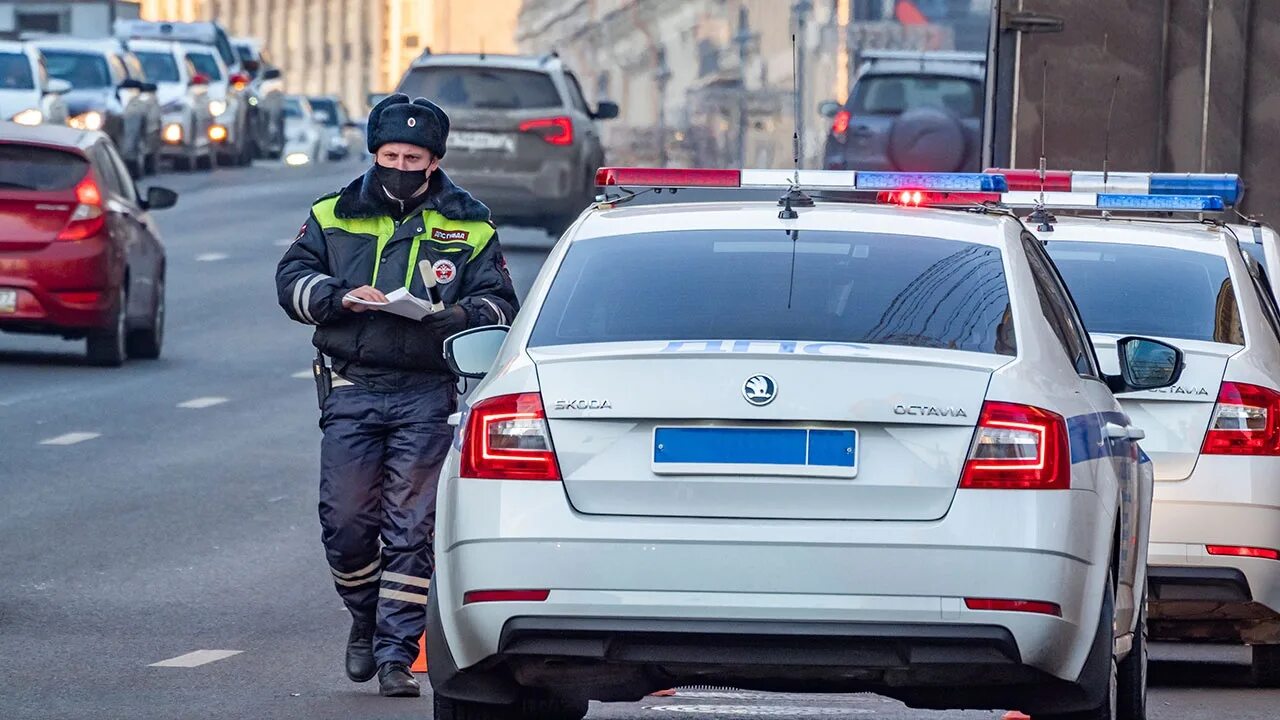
172, 133
30, 116
217, 107
92, 120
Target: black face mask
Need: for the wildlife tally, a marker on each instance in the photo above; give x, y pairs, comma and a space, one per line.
402, 184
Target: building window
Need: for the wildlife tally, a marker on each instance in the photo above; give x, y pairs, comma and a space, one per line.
411, 41
50, 22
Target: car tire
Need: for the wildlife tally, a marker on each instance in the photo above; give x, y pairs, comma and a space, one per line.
1107, 709
205, 162
1266, 665
105, 347
927, 140
1132, 690
146, 343
540, 707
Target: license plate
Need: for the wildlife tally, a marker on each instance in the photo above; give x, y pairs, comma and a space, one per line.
8, 301
482, 141
814, 452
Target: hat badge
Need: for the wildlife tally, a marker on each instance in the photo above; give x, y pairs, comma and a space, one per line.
412, 122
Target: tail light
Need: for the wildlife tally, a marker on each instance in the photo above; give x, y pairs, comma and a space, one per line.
1238, 551
1246, 421
238, 80
840, 125
484, 596
507, 439
554, 131
1018, 447
88, 218
1032, 606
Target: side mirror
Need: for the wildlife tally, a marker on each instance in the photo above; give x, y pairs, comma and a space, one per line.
148, 87
471, 353
131, 84
199, 79
159, 198
271, 74
606, 110
828, 108
251, 65
1145, 364
57, 86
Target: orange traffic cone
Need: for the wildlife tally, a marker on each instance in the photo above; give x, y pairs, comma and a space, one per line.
420, 665
1015, 715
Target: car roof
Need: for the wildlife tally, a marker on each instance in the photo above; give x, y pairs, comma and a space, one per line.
14, 46
85, 45
154, 45
980, 228
514, 62
895, 62
1185, 235
53, 135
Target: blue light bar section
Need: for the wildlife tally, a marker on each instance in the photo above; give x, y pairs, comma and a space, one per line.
1162, 203
1228, 187
949, 182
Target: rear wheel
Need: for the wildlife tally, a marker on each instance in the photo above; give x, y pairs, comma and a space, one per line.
1132, 691
1266, 665
540, 707
1108, 708
145, 344
106, 347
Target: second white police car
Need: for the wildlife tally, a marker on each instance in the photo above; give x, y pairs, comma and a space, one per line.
821, 447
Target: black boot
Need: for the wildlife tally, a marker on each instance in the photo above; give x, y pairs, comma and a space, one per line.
396, 680
360, 665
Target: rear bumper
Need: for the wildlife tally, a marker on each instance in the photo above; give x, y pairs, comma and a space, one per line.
636, 603
556, 189
41, 276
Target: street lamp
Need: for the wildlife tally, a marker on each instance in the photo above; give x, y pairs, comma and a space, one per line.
662, 75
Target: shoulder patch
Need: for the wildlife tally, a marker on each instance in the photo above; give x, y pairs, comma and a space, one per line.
449, 235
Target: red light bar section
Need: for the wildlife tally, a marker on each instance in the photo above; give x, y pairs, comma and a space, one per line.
1032, 606
1054, 180
483, 596
928, 198
1237, 551
668, 177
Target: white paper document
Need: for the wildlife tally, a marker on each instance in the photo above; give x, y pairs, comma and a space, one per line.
400, 302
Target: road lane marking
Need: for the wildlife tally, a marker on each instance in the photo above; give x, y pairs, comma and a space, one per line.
202, 402
196, 658
70, 438
304, 375
211, 257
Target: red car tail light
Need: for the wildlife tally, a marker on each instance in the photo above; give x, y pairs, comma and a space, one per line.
87, 219
1018, 447
239, 80
840, 124
1238, 551
554, 131
1246, 421
507, 439
1032, 606
483, 596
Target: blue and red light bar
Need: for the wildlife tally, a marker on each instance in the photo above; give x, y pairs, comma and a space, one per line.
1229, 187
846, 180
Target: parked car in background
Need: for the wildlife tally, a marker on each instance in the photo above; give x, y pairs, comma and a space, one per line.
266, 97
304, 134
522, 137
109, 92
909, 111
82, 256
184, 103
228, 105
28, 96
342, 135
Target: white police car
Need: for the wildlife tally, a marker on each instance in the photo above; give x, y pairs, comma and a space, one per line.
866, 448
1214, 436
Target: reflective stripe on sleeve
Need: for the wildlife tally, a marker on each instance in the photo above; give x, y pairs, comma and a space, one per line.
305, 304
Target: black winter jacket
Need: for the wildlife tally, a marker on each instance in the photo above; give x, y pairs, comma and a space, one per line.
350, 240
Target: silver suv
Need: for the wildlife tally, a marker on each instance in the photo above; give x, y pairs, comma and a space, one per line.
909, 111
522, 138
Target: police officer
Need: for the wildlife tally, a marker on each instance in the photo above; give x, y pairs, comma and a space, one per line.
386, 398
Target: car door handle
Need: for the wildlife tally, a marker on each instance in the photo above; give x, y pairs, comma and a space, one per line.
1116, 432
1136, 433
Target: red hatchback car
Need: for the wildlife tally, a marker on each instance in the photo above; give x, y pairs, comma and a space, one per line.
79, 256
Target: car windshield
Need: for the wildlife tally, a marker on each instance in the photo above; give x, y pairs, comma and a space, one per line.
292, 107
82, 70
1255, 251
482, 88
1145, 290
325, 110
206, 65
15, 72
26, 167
159, 66
896, 94
742, 285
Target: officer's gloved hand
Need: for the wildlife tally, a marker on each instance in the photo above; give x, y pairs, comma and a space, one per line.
453, 319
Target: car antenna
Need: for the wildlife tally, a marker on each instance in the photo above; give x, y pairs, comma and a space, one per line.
1106, 138
1040, 214
795, 196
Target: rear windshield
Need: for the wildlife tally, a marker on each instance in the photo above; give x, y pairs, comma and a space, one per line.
15, 72
82, 70
895, 94
737, 285
482, 88
206, 65
1139, 290
159, 66
326, 111
25, 167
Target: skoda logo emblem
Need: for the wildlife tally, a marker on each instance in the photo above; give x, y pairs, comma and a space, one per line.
759, 389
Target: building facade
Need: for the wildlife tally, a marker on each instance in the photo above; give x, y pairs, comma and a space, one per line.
81, 18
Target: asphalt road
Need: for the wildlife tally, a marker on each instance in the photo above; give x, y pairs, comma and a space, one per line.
175, 509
